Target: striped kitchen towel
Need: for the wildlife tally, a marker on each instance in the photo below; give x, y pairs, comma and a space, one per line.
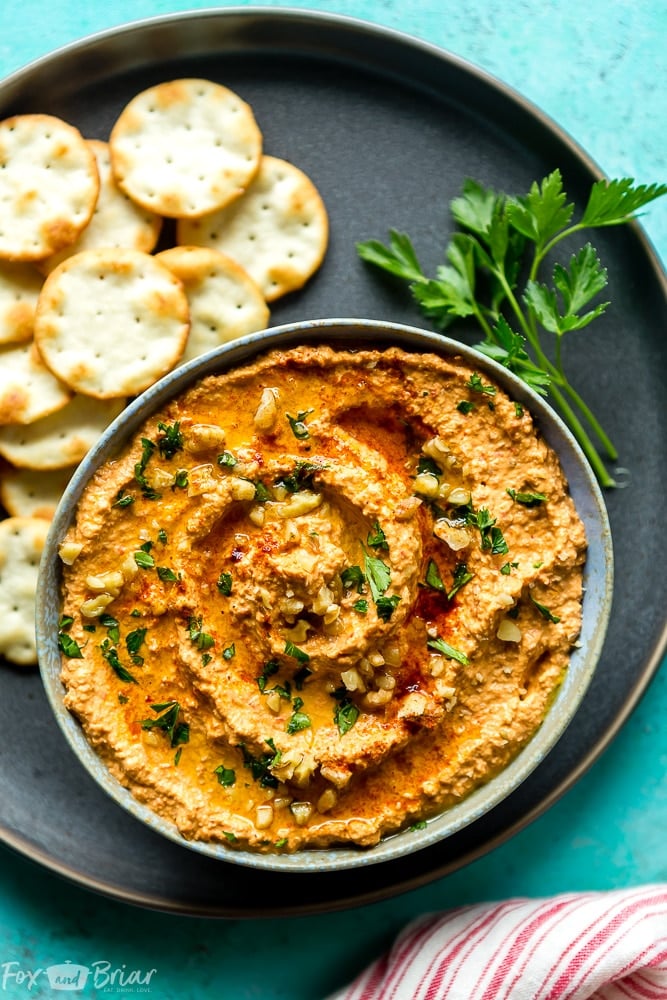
579, 946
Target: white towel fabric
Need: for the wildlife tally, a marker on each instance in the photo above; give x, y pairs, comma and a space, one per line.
579, 946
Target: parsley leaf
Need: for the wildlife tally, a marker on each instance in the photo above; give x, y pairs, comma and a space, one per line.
461, 576
298, 719
298, 424
170, 440
110, 654
346, 714
69, 646
298, 654
224, 584
386, 606
544, 611
201, 639
529, 498
226, 776
353, 577
440, 646
378, 575
433, 578
376, 538
178, 732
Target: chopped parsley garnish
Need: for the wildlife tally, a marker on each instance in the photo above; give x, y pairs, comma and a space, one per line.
269, 668
298, 654
298, 719
528, 498
65, 623
227, 460
386, 606
491, 536
229, 652
231, 837
177, 756
261, 492
178, 732
224, 584
518, 409
346, 714
122, 699
378, 575
69, 646
433, 578
110, 654
162, 536
202, 640
171, 439
460, 578
546, 614
147, 449
361, 606
226, 776
123, 499
282, 842
466, 406
376, 538
134, 641
507, 568
260, 767
180, 480
166, 574
352, 577
206, 659
298, 425
112, 626
144, 560
440, 646
475, 384
301, 478
419, 825
301, 676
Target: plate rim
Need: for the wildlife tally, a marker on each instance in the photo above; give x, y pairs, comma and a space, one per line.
650, 664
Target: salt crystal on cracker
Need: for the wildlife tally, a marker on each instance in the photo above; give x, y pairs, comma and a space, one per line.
278, 232
185, 147
28, 389
225, 303
20, 285
110, 322
62, 438
22, 542
116, 222
48, 186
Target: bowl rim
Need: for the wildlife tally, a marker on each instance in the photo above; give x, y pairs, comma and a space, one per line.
342, 333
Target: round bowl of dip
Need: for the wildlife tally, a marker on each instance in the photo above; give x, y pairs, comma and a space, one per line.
324, 596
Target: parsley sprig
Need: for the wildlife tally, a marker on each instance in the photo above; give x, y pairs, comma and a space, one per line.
502, 238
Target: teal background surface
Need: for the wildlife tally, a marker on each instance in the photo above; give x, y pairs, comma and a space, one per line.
599, 70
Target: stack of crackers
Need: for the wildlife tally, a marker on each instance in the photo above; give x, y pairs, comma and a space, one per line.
92, 312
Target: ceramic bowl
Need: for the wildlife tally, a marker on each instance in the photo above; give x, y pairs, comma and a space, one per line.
345, 333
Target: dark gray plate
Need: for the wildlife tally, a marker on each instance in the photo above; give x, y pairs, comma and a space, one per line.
388, 128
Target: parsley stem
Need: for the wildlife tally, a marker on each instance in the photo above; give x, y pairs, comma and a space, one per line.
558, 379
604, 478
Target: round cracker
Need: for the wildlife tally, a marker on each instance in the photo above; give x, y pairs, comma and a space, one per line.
21, 545
116, 222
48, 186
225, 303
33, 492
278, 232
111, 322
28, 389
20, 285
185, 147
61, 439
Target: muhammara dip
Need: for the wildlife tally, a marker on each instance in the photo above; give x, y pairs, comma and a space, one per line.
321, 597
